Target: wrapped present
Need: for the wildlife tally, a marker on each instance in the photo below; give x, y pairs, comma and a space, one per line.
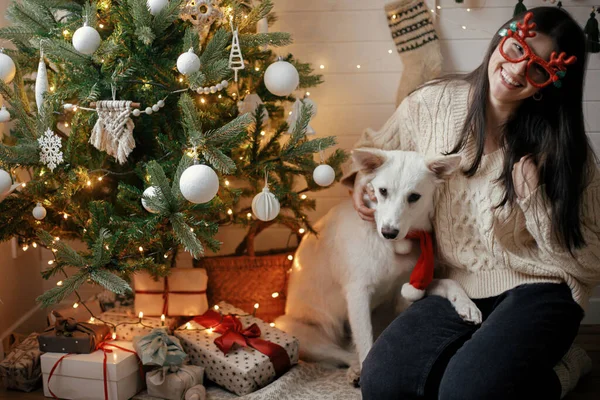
20, 370
112, 372
238, 351
160, 349
70, 336
129, 326
182, 293
173, 382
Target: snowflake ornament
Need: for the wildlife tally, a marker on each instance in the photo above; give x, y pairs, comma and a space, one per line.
50, 153
201, 13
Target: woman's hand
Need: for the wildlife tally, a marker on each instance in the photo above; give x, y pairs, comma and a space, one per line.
362, 186
525, 177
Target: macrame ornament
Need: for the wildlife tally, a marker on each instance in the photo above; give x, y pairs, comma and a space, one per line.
236, 60
250, 104
201, 13
592, 34
293, 117
113, 132
417, 43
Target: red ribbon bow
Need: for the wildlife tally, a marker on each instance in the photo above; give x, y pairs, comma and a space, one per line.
422, 274
166, 293
102, 346
232, 332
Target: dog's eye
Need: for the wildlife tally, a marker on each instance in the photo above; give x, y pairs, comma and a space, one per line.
414, 197
383, 191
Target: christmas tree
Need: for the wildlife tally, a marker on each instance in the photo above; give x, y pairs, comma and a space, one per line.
133, 130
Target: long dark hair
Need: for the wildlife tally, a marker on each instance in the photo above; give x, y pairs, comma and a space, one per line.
551, 130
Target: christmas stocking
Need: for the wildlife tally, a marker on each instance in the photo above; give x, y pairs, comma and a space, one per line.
417, 43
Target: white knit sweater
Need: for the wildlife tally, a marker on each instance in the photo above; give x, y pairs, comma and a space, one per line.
488, 250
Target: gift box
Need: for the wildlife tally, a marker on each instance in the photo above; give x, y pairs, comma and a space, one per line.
114, 367
129, 326
70, 336
159, 349
173, 382
20, 370
182, 293
240, 353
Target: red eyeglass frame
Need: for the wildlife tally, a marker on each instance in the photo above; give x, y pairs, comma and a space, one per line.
557, 65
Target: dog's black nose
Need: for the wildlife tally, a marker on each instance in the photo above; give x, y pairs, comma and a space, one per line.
389, 233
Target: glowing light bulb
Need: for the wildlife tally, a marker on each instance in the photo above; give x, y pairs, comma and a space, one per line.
89, 183
188, 326
220, 96
210, 330
216, 308
358, 66
106, 247
272, 324
290, 257
162, 318
303, 197
249, 215
226, 182
308, 93
257, 69
23, 184
263, 133
468, 10
275, 295
439, 7
52, 88
100, 179
92, 319
101, 26
141, 315
140, 248
390, 51
290, 113
191, 229
166, 256
394, 16
25, 248
57, 238
203, 100
322, 66
65, 32
65, 216
50, 263
66, 124
114, 335
59, 283
301, 231
256, 305
75, 305
34, 244
464, 27
230, 211
180, 79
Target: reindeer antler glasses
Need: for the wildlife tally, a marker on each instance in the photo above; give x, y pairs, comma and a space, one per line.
539, 73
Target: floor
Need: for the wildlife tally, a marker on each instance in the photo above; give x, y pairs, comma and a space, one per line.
588, 388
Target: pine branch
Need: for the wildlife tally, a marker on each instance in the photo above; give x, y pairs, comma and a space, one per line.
101, 249
65, 254
218, 160
159, 179
110, 281
275, 39
186, 237
184, 163
59, 293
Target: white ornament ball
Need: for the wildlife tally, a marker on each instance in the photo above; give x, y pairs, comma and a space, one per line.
5, 182
213, 89
324, 175
281, 78
200, 90
188, 62
152, 191
161, 103
39, 212
219, 86
155, 108
4, 115
155, 6
86, 40
8, 69
206, 90
199, 184
148, 110
225, 83
265, 205
136, 112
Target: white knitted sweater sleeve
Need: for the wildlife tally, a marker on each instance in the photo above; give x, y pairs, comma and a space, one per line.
584, 265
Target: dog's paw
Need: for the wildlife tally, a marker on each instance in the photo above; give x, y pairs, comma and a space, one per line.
467, 310
353, 374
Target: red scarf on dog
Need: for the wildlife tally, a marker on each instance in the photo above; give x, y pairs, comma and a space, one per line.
422, 274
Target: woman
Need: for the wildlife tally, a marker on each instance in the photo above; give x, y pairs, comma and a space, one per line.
518, 229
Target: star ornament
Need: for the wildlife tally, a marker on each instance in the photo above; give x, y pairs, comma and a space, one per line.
50, 149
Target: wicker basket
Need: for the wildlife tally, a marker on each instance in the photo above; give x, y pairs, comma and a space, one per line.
244, 281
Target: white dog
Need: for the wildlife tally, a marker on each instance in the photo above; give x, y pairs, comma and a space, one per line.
353, 266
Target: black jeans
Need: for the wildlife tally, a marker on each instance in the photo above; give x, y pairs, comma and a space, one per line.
428, 352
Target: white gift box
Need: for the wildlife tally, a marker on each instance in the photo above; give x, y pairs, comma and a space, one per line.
244, 369
81, 376
184, 292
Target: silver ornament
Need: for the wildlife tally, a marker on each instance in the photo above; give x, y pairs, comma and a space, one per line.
39, 212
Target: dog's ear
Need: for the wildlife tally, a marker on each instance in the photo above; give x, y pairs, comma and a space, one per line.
368, 160
348, 180
444, 167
